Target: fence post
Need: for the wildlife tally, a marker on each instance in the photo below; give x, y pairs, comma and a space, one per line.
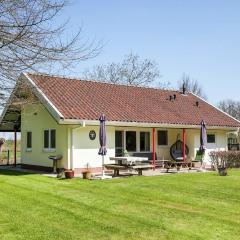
8, 156
15, 147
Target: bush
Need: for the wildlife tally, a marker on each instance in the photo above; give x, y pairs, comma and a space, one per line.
222, 159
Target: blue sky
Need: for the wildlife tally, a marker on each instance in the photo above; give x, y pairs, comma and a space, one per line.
200, 38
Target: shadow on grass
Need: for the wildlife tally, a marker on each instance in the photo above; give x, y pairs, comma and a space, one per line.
15, 172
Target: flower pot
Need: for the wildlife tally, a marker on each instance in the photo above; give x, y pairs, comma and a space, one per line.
69, 174
86, 175
222, 171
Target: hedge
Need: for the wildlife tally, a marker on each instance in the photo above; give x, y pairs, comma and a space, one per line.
230, 159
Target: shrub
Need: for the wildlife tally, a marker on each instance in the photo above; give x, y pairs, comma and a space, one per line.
222, 159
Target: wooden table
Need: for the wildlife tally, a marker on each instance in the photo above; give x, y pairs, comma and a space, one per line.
178, 164
116, 168
128, 163
128, 160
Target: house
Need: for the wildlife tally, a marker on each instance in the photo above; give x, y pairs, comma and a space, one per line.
58, 115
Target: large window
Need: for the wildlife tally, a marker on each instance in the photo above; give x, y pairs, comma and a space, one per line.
211, 138
49, 141
162, 137
131, 141
144, 141
29, 141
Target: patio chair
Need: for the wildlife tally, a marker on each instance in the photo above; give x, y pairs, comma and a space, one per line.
176, 151
199, 157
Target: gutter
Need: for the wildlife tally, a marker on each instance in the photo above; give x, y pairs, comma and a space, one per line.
84, 123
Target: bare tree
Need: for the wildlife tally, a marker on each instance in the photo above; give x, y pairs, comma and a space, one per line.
132, 70
231, 107
31, 40
191, 85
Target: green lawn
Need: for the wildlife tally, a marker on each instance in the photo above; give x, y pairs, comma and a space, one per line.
9, 145
180, 206
4, 156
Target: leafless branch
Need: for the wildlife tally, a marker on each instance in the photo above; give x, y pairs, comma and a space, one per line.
191, 85
231, 107
30, 40
132, 70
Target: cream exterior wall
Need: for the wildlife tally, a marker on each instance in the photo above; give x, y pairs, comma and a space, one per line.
35, 118
193, 142
79, 151
85, 150
221, 143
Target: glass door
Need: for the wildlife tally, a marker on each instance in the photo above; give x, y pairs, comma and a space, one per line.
119, 148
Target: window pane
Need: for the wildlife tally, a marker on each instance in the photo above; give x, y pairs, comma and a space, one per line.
46, 138
144, 141
211, 138
162, 138
118, 139
131, 141
29, 139
118, 143
53, 138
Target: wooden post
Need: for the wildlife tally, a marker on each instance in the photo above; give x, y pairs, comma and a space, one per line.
154, 147
15, 147
8, 156
184, 144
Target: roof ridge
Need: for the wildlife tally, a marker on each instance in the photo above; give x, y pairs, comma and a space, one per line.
85, 102
101, 82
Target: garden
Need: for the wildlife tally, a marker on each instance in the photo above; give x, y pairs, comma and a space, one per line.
176, 206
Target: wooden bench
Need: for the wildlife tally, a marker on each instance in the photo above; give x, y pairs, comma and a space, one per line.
149, 155
177, 164
116, 168
140, 168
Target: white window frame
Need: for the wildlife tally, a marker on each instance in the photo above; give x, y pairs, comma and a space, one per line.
124, 130
27, 148
49, 149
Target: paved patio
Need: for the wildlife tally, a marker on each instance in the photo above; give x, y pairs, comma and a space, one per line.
148, 173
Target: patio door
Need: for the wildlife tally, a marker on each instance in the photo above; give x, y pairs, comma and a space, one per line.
119, 145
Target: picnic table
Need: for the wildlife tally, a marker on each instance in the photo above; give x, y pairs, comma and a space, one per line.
142, 163
128, 160
177, 164
128, 163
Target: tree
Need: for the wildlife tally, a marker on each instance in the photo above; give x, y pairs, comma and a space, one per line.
191, 85
132, 70
231, 107
31, 40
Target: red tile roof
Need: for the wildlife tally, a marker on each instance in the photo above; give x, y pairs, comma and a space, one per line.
80, 99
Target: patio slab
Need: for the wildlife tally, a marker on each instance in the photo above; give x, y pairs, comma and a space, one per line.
146, 173
159, 172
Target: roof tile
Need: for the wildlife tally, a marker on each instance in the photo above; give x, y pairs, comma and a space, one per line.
81, 99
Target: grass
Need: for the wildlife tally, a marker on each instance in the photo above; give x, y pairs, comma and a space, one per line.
9, 145
4, 156
180, 206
